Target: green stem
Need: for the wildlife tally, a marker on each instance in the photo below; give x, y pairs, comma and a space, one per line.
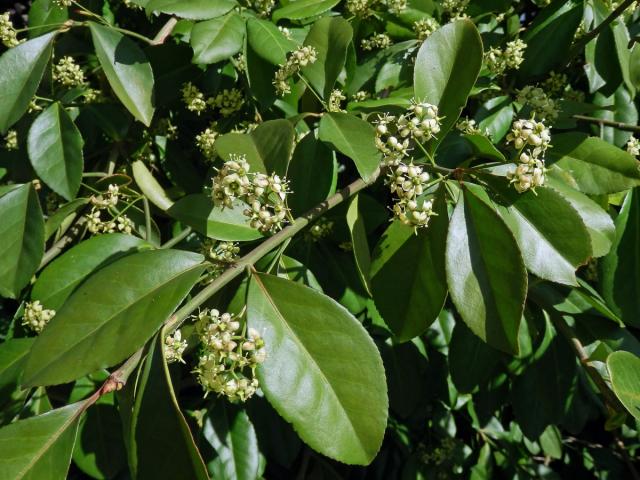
261, 250
147, 218
165, 31
178, 238
304, 80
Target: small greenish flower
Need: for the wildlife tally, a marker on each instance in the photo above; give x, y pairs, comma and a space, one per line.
336, 97
68, 73
174, 347
296, 60
425, 27
193, 98
35, 316
378, 41
633, 146
11, 140
8, 34
206, 142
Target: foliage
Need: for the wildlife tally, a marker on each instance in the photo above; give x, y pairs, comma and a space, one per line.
319, 239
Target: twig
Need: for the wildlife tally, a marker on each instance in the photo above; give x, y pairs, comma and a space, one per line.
610, 123
164, 32
64, 241
177, 239
580, 44
147, 218
627, 459
566, 331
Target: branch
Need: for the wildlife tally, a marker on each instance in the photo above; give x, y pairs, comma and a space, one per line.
610, 123
164, 32
64, 241
610, 398
582, 42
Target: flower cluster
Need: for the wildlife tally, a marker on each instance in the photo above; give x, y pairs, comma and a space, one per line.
174, 347
285, 31
378, 41
361, 8
11, 140
193, 98
206, 140
531, 139
321, 229
220, 254
337, 96
393, 134
35, 316
68, 73
633, 146
296, 60
227, 101
262, 7
498, 61
425, 27
468, 126
63, 3
555, 83
408, 182
106, 202
543, 106
229, 356
8, 35
455, 8
264, 194
360, 96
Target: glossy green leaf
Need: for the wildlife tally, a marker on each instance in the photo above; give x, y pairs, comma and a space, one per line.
591, 165
44, 16
619, 108
556, 25
191, 9
619, 281
624, 372
127, 69
55, 150
268, 41
40, 447
446, 69
485, 272
22, 68
99, 450
598, 222
268, 148
161, 444
65, 273
483, 148
107, 319
218, 39
227, 224
359, 243
321, 368
22, 234
408, 275
295, 271
330, 36
548, 221
300, 9
471, 361
311, 174
13, 354
61, 215
231, 434
149, 186
634, 66
354, 138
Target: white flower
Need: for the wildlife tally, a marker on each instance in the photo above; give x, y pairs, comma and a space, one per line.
68, 73
296, 60
174, 347
35, 316
633, 146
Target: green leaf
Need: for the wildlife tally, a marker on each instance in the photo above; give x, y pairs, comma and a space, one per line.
619, 108
354, 138
107, 319
55, 220
556, 25
22, 68
634, 66
471, 361
127, 69
483, 148
22, 234
13, 354
231, 434
267, 148
65, 273
44, 16
330, 36
227, 224
312, 174
485, 272
191, 9
408, 275
40, 447
299, 9
591, 165
321, 368
149, 186
161, 444
55, 150
598, 222
99, 450
218, 39
446, 69
359, 243
624, 372
548, 221
619, 280
268, 41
